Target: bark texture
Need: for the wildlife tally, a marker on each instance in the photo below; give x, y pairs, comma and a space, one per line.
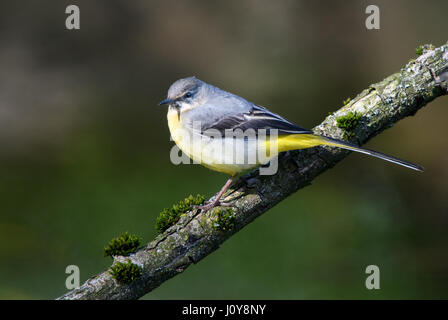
195, 235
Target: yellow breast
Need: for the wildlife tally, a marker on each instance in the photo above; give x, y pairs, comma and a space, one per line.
174, 124
204, 151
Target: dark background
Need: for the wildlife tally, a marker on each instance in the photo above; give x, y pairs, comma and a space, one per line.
84, 149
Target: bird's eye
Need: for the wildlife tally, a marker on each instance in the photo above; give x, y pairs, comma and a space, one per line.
188, 94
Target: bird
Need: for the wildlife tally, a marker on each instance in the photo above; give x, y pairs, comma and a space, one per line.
200, 116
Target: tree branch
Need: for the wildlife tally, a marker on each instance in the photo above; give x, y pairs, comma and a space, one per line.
195, 235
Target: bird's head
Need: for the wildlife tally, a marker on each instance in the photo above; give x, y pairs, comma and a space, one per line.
186, 94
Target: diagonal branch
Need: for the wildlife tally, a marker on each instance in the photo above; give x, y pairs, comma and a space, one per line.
195, 235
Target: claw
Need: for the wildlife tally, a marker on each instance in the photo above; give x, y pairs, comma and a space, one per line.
216, 202
211, 205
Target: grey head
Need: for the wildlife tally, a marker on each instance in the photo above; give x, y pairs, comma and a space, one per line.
186, 91
189, 93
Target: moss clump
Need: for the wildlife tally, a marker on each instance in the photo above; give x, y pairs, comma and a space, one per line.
225, 219
434, 93
348, 123
168, 217
421, 49
122, 245
125, 272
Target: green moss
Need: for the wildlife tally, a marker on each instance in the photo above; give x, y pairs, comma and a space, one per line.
434, 93
125, 272
168, 217
348, 123
122, 245
425, 47
419, 50
346, 101
225, 218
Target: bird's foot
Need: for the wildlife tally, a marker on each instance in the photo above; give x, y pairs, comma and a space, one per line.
211, 205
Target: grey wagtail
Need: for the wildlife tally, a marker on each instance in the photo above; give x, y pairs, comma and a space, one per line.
196, 108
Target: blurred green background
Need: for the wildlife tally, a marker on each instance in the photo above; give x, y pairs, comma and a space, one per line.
84, 150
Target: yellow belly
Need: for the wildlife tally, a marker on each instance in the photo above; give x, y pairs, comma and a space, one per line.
207, 153
203, 153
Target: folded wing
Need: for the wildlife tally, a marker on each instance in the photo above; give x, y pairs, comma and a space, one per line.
256, 118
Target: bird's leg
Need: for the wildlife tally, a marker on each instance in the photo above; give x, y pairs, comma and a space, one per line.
216, 202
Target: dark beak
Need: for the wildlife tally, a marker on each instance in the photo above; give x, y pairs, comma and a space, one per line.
166, 101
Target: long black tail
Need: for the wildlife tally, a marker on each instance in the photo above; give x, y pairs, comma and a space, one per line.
345, 145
